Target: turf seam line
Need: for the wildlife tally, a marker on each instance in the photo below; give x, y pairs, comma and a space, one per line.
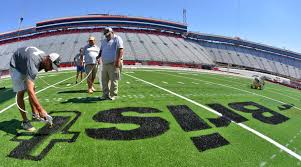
275, 91
297, 156
10, 106
274, 155
209, 73
234, 88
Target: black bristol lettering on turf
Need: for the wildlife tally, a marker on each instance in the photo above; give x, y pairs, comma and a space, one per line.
188, 120
257, 113
205, 142
285, 107
23, 150
227, 116
149, 126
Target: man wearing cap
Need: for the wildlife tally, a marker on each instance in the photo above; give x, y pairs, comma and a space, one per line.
25, 64
91, 51
111, 52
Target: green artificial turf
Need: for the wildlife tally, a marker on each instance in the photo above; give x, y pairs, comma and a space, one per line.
174, 147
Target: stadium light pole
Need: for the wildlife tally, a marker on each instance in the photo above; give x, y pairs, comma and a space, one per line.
18, 40
20, 23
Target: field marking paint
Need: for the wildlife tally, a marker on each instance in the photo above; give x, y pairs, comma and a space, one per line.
273, 156
165, 82
234, 88
297, 156
181, 83
10, 106
262, 164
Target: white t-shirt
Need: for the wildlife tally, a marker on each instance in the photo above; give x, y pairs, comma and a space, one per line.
109, 49
90, 54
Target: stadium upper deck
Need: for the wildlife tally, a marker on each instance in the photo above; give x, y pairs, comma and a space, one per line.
153, 40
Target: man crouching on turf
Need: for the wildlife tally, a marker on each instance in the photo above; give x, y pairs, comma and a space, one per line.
25, 64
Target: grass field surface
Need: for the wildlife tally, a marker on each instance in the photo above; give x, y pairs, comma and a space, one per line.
161, 118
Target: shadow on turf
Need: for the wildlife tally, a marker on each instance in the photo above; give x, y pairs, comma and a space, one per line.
10, 126
75, 91
84, 100
6, 94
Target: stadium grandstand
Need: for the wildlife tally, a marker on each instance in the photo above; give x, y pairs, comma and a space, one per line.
152, 42
185, 98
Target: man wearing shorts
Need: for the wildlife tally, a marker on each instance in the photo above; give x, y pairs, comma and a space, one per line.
25, 64
91, 51
79, 65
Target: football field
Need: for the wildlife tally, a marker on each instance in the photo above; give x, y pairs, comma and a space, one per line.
161, 118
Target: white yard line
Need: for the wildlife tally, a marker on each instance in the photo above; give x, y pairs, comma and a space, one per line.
267, 89
233, 88
297, 156
10, 106
224, 75
210, 73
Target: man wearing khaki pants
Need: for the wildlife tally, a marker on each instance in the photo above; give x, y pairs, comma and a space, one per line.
111, 52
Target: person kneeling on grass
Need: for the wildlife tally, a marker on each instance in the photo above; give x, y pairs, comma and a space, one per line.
25, 64
258, 82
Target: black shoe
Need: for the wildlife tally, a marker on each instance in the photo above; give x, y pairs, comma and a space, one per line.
105, 98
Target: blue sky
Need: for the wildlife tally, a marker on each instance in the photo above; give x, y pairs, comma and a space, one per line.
272, 22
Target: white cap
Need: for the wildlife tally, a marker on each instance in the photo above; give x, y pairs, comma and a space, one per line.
107, 30
55, 59
91, 38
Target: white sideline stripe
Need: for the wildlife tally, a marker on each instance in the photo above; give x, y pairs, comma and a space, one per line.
234, 88
219, 114
10, 106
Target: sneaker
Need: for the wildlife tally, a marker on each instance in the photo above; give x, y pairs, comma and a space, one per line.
113, 98
105, 98
75, 82
26, 125
93, 89
90, 91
